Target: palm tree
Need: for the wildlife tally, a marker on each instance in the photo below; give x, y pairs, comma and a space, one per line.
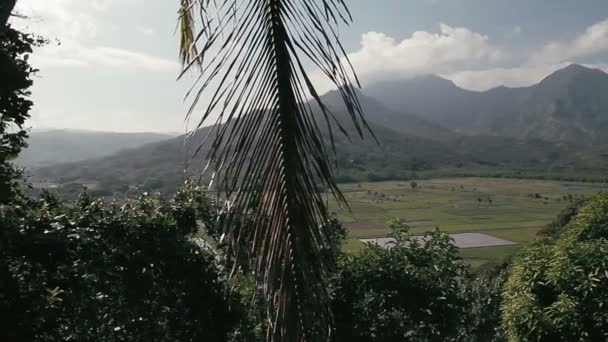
267, 152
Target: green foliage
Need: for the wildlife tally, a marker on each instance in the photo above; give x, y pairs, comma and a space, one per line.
92, 271
555, 228
483, 293
15, 81
410, 292
558, 288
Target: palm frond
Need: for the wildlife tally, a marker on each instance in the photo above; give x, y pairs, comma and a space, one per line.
268, 154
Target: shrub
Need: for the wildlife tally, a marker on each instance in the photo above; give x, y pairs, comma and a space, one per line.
410, 292
557, 289
93, 271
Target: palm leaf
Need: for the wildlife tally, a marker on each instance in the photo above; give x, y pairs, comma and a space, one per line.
267, 152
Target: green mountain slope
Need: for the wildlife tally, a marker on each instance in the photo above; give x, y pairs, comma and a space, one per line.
570, 105
441, 101
397, 155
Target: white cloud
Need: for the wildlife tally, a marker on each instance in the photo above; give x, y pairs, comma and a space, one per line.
539, 63
468, 58
74, 54
109, 56
593, 40
517, 30
514, 32
382, 57
76, 24
146, 31
65, 19
520, 76
109, 120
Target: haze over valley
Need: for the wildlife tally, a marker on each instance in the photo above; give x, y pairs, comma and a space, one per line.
425, 126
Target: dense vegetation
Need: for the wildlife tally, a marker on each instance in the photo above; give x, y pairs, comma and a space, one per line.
558, 287
93, 271
153, 268
412, 291
15, 80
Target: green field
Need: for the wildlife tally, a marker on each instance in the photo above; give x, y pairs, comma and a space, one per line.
512, 209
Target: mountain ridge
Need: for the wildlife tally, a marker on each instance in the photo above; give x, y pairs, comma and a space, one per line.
567, 105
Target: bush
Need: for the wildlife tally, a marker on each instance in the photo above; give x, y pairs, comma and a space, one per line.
557, 289
483, 294
410, 292
92, 271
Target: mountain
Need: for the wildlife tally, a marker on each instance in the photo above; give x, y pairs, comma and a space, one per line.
160, 166
569, 105
425, 127
399, 121
443, 102
401, 152
63, 146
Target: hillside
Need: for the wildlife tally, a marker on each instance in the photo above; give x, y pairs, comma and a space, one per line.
550, 130
63, 146
160, 166
443, 102
569, 105
422, 149
397, 120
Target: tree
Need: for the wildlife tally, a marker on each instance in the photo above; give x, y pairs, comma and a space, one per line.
409, 292
15, 82
413, 185
92, 271
268, 154
6, 9
482, 291
557, 289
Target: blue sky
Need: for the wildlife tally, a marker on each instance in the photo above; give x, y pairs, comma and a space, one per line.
116, 66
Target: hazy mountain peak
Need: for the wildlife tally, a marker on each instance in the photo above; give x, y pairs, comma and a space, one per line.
577, 68
572, 72
432, 79
421, 81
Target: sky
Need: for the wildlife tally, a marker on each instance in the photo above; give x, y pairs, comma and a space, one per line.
112, 64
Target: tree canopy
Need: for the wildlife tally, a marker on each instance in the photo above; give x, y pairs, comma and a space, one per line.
557, 289
15, 81
93, 271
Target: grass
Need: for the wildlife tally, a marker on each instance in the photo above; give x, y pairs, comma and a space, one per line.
512, 209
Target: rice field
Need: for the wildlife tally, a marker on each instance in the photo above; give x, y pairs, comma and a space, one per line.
510, 209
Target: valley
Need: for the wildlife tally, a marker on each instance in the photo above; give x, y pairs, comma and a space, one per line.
502, 162
511, 209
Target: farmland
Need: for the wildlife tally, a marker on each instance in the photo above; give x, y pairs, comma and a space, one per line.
511, 209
